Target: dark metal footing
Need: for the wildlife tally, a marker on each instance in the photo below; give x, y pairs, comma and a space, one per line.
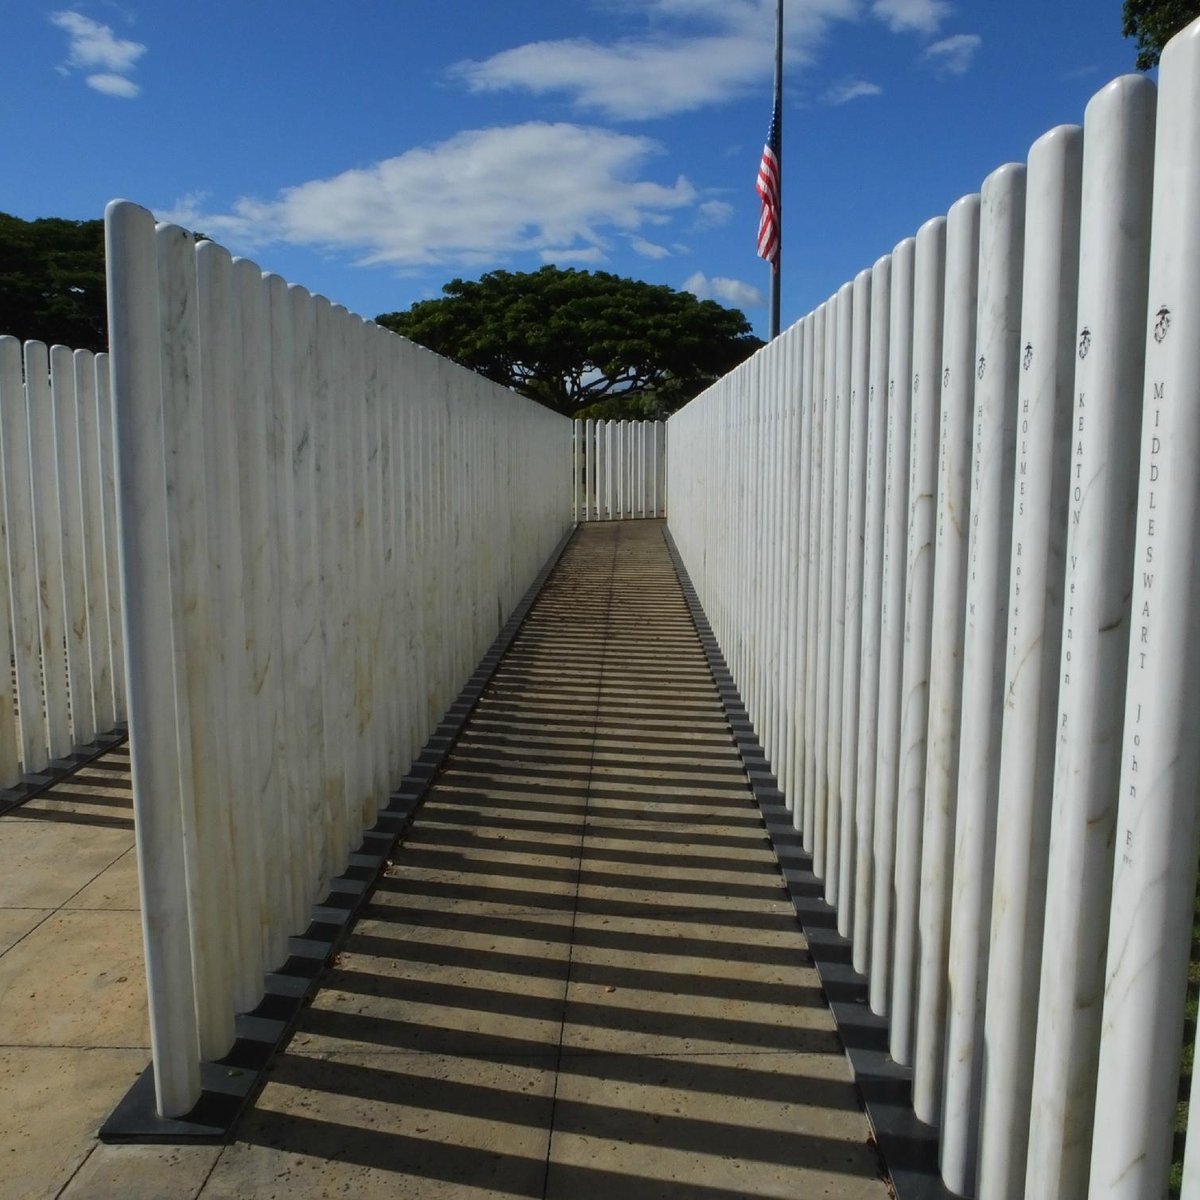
908, 1146
60, 769
230, 1085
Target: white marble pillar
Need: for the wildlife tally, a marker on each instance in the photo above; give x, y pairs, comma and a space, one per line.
660, 467
784, 568
136, 366
377, 450
891, 620
576, 469
647, 468
357, 387
1154, 879
629, 466
608, 470
875, 479
631, 469
11, 399
799, 680
1035, 609
259, 537
757, 535
191, 306
837, 647
776, 547
17, 481
658, 463
286, 693
591, 493
74, 571
815, 423
48, 551
213, 623
99, 643
616, 430
303, 614
1109, 355
825, 615
587, 468
601, 463
728, 431
919, 615
997, 363
790, 468
945, 655
856, 494
112, 572
403, 584
645, 499
326, 535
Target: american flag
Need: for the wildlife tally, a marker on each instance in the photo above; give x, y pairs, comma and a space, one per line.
770, 219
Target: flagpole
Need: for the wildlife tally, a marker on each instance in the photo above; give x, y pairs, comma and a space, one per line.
777, 266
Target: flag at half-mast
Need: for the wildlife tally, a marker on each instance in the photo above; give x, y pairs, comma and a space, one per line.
770, 218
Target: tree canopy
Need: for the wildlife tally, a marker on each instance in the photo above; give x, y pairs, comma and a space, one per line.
582, 342
1154, 23
52, 282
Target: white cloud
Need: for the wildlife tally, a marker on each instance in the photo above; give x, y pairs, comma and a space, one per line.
95, 48
712, 214
583, 254
627, 80
649, 249
477, 198
954, 55
921, 16
720, 49
852, 89
113, 85
729, 291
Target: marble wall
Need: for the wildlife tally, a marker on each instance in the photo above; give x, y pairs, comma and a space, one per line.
60, 622
945, 531
620, 470
322, 528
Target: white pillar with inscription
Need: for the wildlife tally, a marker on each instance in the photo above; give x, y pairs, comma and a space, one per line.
1001, 249
1039, 529
945, 654
1154, 878
1109, 356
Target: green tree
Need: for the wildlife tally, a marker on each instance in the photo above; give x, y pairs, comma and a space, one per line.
1154, 23
52, 282
582, 342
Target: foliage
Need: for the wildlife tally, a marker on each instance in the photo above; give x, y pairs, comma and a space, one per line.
1154, 23
581, 341
52, 282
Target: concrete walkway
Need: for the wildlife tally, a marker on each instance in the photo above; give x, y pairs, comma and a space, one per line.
580, 977
73, 1029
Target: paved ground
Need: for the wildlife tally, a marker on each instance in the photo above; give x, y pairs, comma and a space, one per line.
580, 977
73, 1033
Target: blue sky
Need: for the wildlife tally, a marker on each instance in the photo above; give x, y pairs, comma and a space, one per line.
374, 149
